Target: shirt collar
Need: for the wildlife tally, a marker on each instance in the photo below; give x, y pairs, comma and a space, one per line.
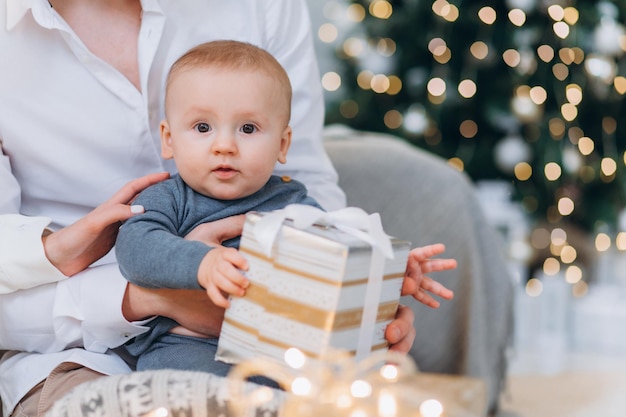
16, 9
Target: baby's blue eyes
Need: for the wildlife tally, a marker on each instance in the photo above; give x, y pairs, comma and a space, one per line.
203, 127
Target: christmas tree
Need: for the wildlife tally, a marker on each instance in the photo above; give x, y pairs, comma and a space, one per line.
527, 91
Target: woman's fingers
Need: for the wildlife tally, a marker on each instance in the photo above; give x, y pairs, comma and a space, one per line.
129, 191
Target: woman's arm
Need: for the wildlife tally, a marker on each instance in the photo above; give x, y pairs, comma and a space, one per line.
289, 38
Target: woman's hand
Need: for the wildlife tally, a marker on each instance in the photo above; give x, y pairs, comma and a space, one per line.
400, 333
417, 284
75, 247
218, 231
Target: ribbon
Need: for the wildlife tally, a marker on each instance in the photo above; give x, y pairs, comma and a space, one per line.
353, 221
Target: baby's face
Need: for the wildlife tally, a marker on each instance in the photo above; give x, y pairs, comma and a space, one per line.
225, 130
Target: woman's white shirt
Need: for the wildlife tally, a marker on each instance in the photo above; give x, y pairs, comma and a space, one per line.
73, 130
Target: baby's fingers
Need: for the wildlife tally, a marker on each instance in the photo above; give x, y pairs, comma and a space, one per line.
217, 296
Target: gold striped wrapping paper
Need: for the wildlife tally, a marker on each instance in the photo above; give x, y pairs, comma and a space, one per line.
309, 294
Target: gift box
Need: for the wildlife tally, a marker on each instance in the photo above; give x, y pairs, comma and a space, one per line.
319, 282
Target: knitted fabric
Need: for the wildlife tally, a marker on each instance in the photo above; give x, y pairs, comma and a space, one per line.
147, 394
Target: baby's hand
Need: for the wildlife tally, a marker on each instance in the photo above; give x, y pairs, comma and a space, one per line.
420, 286
220, 274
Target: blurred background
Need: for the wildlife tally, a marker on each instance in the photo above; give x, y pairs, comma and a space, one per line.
527, 98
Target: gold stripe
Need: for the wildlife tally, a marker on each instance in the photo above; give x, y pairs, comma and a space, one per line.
361, 281
241, 326
313, 316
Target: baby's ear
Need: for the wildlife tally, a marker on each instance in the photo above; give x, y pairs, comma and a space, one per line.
285, 142
166, 140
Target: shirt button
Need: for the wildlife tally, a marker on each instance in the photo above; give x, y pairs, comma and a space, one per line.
285, 178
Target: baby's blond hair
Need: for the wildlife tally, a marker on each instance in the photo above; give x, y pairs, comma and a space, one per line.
235, 55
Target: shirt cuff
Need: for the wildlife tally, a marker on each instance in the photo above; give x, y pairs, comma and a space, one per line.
95, 297
23, 261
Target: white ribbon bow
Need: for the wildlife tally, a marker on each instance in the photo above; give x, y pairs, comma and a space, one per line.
351, 220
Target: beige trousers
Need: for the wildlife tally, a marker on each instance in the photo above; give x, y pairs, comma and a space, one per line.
60, 381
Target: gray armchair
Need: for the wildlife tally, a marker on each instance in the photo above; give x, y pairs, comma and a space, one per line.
421, 199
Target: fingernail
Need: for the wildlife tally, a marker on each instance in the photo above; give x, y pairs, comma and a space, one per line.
136, 209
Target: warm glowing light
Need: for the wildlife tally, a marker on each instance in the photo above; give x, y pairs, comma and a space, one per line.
444, 56
327, 33
467, 88
353, 47
479, 50
379, 83
556, 12
355, 13
551, 266
301, 386
534, 287
395, 85
456, 163
360, 389
558, 237
574, 94
294, 358
561, 29
603, 242
565, 206
569, 111
620, 84
512, 57
393, 119
381, 9
568, 254
487, 15
538, 95
560, 71
364, 79
436, 46
390, 372
552, 171
573, 274
546, 53
620, 241
523, 171
468, 129
331, 81
580, 289
570, 15
450, 12
557, 127
517, 17
387, 404
585, 145
608, 166
431, 408
436, 87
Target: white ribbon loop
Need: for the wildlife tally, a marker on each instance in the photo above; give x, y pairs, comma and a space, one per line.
351, 220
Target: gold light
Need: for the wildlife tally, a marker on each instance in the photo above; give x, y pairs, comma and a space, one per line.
467, 88
331, 81
487, 15
517, 17
552, 171
546, 53
381, 9
585, 145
